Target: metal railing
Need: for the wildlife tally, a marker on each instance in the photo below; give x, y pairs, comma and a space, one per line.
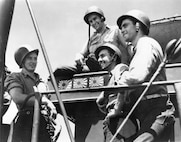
173, 18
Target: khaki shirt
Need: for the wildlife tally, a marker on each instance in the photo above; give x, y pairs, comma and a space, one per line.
22, 80
147, 57
110, 34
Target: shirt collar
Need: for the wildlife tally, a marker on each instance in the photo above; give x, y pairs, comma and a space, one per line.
107, 28
26, 73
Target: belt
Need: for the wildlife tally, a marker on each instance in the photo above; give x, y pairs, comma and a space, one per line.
153, 96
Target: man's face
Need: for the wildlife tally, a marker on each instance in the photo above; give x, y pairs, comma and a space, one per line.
30, 62
104, 58
95, 21
128, 30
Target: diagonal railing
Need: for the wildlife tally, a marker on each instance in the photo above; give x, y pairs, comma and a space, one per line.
50, 70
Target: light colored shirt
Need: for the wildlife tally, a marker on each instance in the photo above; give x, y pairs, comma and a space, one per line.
147, 57
116, 73
111, 34
114, 77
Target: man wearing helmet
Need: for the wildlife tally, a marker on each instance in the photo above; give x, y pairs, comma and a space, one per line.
95, 18
109, 57
21, 86
85, 60
155, 111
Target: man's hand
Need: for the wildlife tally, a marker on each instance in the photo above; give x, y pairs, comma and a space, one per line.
114, 108
120, 69
50, 106
102, 99
102, 102
92, 63
79, 59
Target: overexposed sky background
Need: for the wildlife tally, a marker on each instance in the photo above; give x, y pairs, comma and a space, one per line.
63, 29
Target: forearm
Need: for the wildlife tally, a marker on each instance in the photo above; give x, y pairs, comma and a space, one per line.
84, 50
102, 101
130, 78
24, 100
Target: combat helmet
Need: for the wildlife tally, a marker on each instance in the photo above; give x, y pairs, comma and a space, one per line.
93, 9
138, 15
109, 46
22, 52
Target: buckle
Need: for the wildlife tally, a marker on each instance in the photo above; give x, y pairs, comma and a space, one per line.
148, 97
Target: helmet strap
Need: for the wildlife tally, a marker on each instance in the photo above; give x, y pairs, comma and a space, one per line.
89, 30
137, 26
111, 62
102, 19
89, 36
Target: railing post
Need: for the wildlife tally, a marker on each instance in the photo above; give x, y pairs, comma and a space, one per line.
177, 87
6, 13
36, 117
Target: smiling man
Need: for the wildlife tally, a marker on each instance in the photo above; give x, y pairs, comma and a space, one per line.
155, 112
20, 86
95, 18
85, 60
108, 56
110, 59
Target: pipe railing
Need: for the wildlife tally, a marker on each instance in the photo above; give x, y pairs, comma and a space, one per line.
113, 88
173, 18
173, 65
105, 88
50, 70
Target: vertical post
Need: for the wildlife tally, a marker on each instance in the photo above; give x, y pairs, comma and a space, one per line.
36, 117
6, 13
177, 87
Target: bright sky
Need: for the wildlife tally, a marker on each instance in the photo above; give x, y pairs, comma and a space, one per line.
62, 27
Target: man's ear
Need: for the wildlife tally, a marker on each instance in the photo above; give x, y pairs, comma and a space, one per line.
137, 26
102, 19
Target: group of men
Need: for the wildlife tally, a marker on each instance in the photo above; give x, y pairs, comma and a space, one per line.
131, 57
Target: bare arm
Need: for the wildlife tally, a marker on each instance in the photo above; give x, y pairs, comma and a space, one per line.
123, 47
19, 98
79, 58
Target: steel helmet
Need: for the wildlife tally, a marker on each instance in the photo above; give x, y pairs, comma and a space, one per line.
110, 46
93, 9
137, 14
22, 52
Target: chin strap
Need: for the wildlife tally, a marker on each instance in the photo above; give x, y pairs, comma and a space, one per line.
110, 63
89, 32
